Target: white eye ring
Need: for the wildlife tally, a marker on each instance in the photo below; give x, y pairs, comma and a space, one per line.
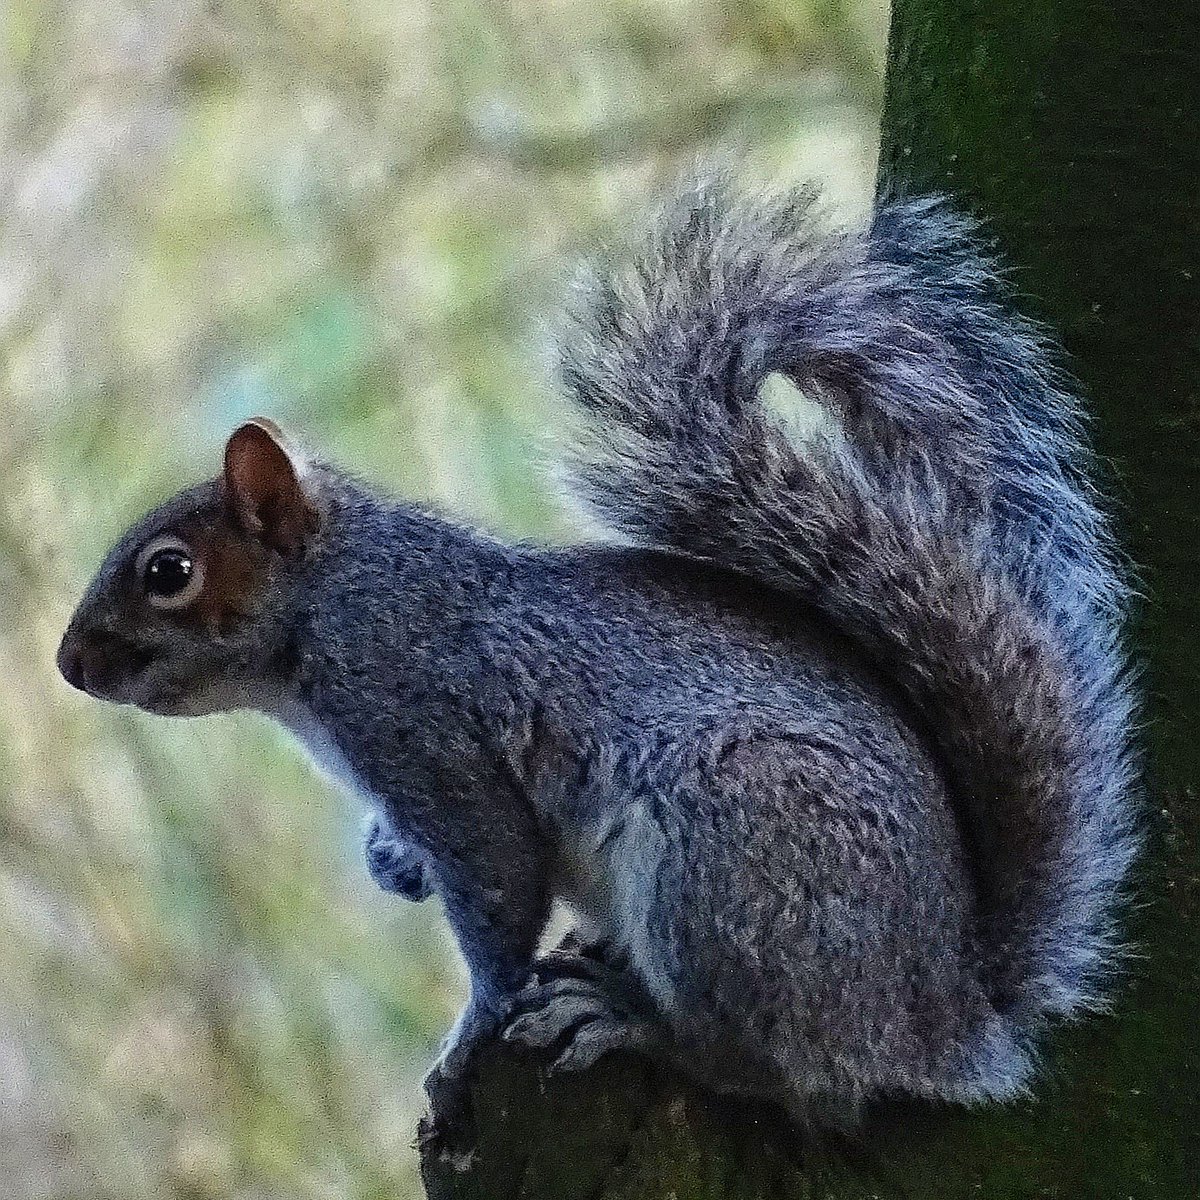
190, 590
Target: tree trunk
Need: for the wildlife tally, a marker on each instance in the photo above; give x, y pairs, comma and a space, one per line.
1073, 128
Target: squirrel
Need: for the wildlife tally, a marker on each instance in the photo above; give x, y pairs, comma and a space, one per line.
829, 747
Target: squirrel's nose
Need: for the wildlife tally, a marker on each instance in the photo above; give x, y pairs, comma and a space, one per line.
70, 663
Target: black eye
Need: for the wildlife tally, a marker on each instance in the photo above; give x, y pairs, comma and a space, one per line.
171, 576
168, 572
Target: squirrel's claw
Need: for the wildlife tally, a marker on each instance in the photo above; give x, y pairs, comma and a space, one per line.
581, 1018
596, 1038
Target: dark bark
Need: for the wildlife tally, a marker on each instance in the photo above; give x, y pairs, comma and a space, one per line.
1073, 128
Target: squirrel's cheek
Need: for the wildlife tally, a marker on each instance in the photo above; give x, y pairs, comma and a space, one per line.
233, 584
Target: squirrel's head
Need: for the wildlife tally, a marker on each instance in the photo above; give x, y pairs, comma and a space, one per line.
189, 612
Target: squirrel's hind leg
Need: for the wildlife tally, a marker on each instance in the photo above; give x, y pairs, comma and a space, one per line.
798, 912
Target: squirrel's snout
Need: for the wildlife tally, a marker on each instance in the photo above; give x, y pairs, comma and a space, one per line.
100, 664
70, 662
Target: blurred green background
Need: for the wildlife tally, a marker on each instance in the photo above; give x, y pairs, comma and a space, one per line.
354, 216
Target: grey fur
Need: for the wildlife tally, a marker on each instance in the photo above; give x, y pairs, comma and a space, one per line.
952, 529
838, 763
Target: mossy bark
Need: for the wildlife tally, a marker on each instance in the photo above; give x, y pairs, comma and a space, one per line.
1073, 129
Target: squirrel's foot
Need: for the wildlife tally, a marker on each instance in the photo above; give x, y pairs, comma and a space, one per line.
578, 954
581, 1008
448, 1082
395, 866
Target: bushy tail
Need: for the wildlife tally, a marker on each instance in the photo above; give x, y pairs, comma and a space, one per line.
945, 523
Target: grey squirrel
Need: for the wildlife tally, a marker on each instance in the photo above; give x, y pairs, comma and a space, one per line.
832, 751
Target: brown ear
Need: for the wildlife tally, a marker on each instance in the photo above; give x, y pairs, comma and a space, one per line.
265, 487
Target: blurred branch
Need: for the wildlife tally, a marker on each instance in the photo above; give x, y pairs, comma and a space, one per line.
841, 75
784, 104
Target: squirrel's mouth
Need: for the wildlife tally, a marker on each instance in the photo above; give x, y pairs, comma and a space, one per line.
106, 667
157, 691
157, 680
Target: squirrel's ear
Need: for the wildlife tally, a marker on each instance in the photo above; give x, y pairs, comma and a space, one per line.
265, 486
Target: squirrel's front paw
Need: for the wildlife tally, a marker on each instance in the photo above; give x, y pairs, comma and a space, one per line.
581, 1011
448, 1082
395, 866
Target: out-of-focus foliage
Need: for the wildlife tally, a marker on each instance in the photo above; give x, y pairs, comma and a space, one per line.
353, 215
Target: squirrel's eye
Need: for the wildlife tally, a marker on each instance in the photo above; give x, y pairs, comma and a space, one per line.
171, 574
168, 572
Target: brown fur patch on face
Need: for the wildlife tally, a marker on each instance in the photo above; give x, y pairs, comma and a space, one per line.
233, 576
